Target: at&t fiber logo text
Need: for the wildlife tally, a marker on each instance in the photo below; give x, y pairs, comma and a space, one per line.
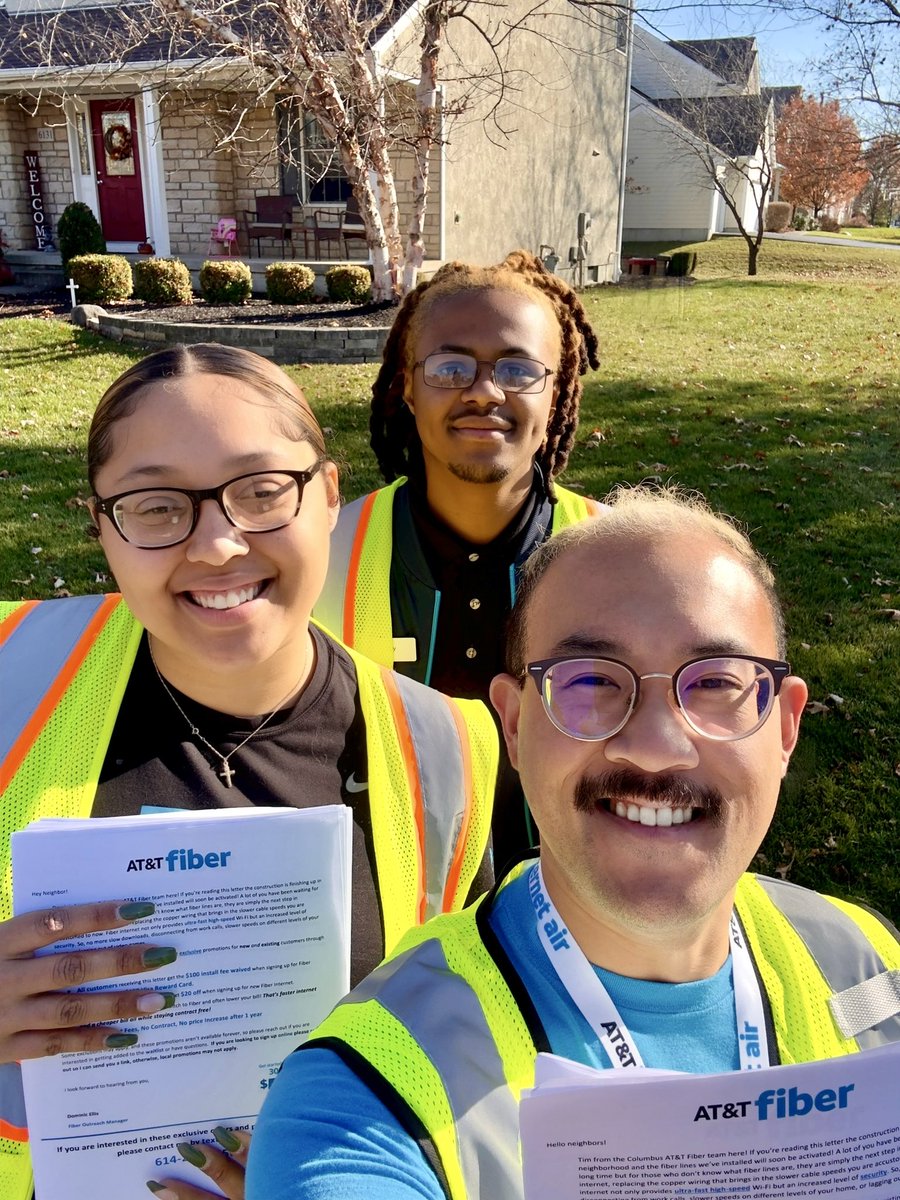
181, 860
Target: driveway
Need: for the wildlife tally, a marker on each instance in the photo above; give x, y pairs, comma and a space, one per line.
836, 240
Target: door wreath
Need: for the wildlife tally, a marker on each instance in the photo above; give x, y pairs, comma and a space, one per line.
117, 142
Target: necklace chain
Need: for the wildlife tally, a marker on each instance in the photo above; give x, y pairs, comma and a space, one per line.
226, 772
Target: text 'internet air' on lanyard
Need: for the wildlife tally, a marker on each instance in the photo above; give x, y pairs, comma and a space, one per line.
595, 1003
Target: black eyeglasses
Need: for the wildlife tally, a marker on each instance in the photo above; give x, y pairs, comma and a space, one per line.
724, 698
451, 370
153, 518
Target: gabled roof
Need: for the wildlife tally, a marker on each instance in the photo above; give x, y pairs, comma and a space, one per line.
84, 37
733, 124
127, 35
732, 59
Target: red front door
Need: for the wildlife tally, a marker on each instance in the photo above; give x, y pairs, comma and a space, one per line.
118, 162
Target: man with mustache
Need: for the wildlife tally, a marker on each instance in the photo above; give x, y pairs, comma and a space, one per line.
650, 712
474, 413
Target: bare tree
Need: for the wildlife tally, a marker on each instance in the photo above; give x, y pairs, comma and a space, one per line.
860, 59
730, 140
374, 96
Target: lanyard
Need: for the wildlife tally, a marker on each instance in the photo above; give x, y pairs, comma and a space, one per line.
595, 1003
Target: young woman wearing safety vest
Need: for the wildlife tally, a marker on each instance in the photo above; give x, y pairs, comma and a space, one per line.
204, 685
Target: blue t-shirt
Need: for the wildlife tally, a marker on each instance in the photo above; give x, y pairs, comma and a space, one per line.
324, 1135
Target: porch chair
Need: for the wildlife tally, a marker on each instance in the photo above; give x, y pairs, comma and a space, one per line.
326, 227
223, 235
273, 218
352, 227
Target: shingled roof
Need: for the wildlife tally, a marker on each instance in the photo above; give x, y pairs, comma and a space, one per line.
127, 35
733, 124
732, 59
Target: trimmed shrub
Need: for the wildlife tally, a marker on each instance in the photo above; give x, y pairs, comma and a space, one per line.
349, 283
778, 216
289, 283
225, 282
101, 277
162, 281
79, 233
829, 225
681, 263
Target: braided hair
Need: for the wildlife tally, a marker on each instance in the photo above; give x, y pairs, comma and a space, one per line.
394, 438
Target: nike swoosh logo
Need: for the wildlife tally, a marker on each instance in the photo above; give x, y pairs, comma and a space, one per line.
352, 786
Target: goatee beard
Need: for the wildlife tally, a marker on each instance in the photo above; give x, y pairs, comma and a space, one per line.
624, 784
486, 474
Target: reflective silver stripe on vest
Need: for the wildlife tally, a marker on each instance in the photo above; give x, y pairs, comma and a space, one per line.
444, 1016
866, 1004
439, 758
841, 950
34, 654
329, 608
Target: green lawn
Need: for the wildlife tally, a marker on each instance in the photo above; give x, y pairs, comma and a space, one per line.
776, 397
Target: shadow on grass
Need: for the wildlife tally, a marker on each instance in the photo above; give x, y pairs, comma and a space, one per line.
83, 345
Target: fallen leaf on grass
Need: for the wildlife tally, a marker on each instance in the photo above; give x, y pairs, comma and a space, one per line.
815, 707
892, 614
836, 698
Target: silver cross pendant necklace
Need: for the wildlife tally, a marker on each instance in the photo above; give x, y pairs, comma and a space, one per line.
226, 772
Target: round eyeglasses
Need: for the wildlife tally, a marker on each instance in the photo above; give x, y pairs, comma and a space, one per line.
723, 698
153, 518
450, 370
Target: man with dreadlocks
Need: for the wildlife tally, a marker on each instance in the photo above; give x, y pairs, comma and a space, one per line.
474, 413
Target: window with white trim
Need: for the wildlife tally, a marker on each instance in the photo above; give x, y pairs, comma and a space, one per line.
311, 168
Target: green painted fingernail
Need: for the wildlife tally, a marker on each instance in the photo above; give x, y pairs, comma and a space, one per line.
118, 1041
226, 1139
160, 1190
160, 956
191, 1154
134, 912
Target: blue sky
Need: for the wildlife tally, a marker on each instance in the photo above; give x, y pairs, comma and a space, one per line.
787, 47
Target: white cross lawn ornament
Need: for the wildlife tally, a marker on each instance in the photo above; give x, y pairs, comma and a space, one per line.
73, 288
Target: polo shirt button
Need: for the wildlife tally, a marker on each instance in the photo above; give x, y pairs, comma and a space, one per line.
471, 652
473, 558
475, 603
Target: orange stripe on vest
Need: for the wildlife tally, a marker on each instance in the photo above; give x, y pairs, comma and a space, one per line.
42, 713
348, 633
410, 761
459, 850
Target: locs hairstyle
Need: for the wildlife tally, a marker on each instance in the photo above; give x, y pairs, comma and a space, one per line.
394, 438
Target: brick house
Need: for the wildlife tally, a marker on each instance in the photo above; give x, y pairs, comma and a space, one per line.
138, 139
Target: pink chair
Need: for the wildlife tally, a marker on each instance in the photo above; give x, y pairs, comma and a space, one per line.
223, 235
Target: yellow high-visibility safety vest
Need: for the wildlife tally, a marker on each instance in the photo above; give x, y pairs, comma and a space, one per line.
457, 1050
355, 604
432, 769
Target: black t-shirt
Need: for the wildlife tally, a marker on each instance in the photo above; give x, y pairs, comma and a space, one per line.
309, 754
477, 586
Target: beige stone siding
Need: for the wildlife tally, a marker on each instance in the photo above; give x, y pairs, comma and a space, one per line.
554, 150
18, 136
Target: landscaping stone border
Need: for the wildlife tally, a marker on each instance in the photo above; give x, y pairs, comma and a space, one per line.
281, 343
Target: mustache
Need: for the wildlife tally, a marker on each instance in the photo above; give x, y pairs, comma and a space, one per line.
625, 784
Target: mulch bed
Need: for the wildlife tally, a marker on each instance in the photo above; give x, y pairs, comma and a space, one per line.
326, 314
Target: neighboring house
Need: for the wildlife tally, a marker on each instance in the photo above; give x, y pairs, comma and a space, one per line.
690, 97
136, 138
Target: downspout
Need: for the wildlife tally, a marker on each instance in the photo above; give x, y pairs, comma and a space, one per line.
623, 164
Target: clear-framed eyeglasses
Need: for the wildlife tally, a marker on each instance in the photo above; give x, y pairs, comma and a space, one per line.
447, 369
157, 517
724, 698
